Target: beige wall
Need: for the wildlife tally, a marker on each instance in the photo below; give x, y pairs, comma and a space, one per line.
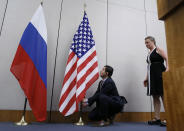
126, 51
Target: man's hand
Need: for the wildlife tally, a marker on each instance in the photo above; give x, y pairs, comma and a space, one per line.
85, 102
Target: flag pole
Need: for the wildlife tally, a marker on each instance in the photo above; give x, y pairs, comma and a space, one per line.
80, 122
85, 6
41, 2
22, 122
3, 18
50, 115
146, 30
107, 31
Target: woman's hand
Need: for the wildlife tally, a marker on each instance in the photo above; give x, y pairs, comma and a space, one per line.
145, 82
167, 69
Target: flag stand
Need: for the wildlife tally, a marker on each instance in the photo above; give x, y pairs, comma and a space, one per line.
80, 122
22, 122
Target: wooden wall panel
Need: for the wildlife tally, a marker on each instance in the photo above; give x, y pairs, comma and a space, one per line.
165, 7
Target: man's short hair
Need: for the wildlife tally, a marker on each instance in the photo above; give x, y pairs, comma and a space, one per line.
109, 69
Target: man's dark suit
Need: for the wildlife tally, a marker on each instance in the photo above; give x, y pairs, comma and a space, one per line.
106, 106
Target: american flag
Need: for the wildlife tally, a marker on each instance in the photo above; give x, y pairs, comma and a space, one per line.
81, 70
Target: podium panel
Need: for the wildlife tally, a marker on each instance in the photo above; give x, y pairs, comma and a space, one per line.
172, 12
174, 26
174, 99
165, 7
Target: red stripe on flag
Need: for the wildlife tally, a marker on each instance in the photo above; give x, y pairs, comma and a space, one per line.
86, 61
92, 81
72, 69
70, 103
83, 78
30, 81
70, 87
83, 93
70, 57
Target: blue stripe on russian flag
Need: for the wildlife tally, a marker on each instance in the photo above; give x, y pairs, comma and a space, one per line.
36, 48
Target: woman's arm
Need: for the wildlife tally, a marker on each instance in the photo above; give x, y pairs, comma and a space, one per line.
145, 82
164, 55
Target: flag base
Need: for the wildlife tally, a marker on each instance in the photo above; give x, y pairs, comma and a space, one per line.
80, 122
22, 122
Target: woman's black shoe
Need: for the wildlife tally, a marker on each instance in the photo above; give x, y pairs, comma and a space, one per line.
163, 123
154, 122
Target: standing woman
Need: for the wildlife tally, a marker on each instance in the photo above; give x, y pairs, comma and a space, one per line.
153, 81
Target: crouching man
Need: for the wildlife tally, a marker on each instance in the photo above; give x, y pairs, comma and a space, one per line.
107, 99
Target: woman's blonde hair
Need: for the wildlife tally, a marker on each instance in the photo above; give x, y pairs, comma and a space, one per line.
151, 38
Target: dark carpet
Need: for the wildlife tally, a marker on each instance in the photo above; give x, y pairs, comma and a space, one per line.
123, 126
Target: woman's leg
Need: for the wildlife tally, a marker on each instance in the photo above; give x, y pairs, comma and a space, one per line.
157, 106
163, 123
163, 101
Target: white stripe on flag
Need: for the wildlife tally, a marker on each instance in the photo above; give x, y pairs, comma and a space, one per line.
82, 59
38, 20
66, 101
83, 72
70, 64
71, 110
68, 82
88, 78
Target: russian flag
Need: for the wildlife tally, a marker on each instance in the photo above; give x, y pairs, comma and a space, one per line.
30, 64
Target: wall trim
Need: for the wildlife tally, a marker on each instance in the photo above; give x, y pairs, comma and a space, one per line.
15, 116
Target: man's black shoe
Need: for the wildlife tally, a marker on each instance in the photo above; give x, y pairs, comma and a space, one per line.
101, 124
111, 119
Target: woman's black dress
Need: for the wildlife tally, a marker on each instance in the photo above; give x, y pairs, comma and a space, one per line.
155, 69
